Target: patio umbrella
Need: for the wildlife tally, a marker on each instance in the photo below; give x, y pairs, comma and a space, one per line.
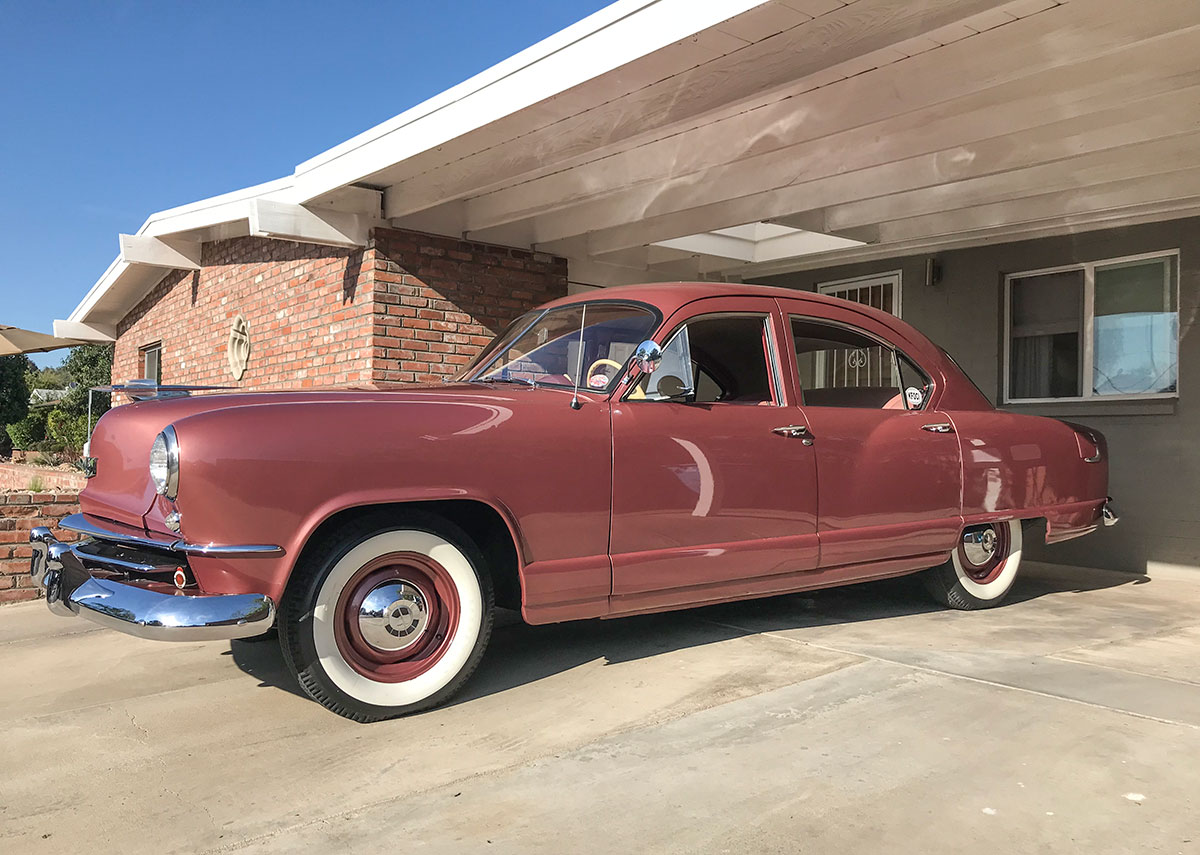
16, 340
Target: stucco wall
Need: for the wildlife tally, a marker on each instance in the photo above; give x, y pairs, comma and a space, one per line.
1154, 447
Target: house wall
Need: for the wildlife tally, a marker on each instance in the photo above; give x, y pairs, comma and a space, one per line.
406, 307
1154, 447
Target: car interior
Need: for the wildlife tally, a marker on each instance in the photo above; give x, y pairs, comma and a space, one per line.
841, 367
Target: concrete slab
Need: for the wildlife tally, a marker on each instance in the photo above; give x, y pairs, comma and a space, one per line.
855, 720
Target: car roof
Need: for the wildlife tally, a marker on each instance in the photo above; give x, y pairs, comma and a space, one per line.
668, 297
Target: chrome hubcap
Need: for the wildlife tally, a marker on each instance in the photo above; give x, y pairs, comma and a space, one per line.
393, 616
979, 545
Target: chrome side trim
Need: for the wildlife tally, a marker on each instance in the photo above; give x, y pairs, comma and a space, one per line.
135, 610
79, 523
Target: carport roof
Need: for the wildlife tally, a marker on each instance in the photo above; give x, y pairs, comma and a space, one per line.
683, 139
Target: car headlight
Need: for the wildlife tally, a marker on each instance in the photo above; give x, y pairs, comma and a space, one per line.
164, 463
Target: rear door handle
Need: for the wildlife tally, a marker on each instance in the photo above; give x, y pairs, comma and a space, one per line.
940, 427
794, 431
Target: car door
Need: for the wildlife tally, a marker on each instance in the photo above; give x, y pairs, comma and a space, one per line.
889, 469
708, 490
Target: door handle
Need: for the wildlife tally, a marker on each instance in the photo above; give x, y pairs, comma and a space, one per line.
941, 427
791, 430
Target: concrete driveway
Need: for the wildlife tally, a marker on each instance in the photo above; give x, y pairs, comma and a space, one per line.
853, 720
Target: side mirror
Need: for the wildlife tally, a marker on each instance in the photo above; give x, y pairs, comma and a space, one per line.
648, 356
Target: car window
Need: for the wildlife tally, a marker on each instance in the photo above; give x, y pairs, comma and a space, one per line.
841, 367
726, 358
588, 342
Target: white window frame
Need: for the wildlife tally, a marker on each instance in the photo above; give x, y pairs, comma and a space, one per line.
890, 277
1087, 348
145, 352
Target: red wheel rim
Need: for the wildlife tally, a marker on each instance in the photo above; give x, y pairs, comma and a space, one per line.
441, 609
982, 551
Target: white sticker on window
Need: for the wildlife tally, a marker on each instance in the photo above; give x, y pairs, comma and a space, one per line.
914, 396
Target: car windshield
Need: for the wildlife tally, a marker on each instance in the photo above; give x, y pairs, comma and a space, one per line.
543, 347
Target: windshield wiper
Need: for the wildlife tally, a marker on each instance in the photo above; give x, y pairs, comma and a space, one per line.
519, 380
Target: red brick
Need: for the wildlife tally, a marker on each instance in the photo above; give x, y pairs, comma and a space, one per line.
310, 308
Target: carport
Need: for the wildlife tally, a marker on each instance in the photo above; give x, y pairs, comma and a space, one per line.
941, 149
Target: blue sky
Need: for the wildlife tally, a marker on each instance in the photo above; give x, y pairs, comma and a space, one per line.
112, 110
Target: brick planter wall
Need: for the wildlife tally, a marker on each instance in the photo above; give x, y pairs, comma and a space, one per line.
406, 307
20, 512
18, 476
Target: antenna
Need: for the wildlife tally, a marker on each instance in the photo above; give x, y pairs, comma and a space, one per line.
575, 405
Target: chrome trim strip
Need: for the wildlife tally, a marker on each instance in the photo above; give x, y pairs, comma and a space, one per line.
71, 590
108, 561
171, 488
79, 523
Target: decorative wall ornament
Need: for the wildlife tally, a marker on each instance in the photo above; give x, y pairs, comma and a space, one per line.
238, 349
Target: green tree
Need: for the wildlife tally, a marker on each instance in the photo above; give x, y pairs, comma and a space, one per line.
54, 377
14, 393
88, 365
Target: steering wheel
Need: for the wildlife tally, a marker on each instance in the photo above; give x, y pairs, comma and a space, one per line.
592, 375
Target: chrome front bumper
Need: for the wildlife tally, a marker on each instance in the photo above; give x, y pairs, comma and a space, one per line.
125, 604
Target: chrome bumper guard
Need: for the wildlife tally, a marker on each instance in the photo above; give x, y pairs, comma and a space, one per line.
1108, 514
71, 589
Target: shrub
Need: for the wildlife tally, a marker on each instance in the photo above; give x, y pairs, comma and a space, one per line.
67, 429
36, 485
28, 430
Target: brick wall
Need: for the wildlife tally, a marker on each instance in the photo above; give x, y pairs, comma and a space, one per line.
406, 307
19, 512
19, 476
308, 309
438, 301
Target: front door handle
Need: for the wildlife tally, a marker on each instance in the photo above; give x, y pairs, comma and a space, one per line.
941, 427
791, 430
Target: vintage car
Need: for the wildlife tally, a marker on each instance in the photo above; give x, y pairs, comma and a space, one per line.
633, 450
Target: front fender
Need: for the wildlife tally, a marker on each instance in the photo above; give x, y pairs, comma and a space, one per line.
274, 473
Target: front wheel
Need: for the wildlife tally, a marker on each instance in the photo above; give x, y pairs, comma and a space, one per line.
982, 568
384, 620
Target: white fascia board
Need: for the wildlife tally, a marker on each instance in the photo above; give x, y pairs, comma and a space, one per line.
110, 275
616, 35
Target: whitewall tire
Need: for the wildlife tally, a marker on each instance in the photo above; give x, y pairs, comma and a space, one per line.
387, 619
982, 568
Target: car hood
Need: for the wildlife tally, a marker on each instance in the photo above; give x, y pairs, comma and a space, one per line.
121, 489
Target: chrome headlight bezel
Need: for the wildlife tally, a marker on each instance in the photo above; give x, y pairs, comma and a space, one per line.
164, 463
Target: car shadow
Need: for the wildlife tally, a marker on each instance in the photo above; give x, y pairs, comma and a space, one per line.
520, 654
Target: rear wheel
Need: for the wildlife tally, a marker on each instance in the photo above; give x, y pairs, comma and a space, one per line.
981, 570
384, 620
